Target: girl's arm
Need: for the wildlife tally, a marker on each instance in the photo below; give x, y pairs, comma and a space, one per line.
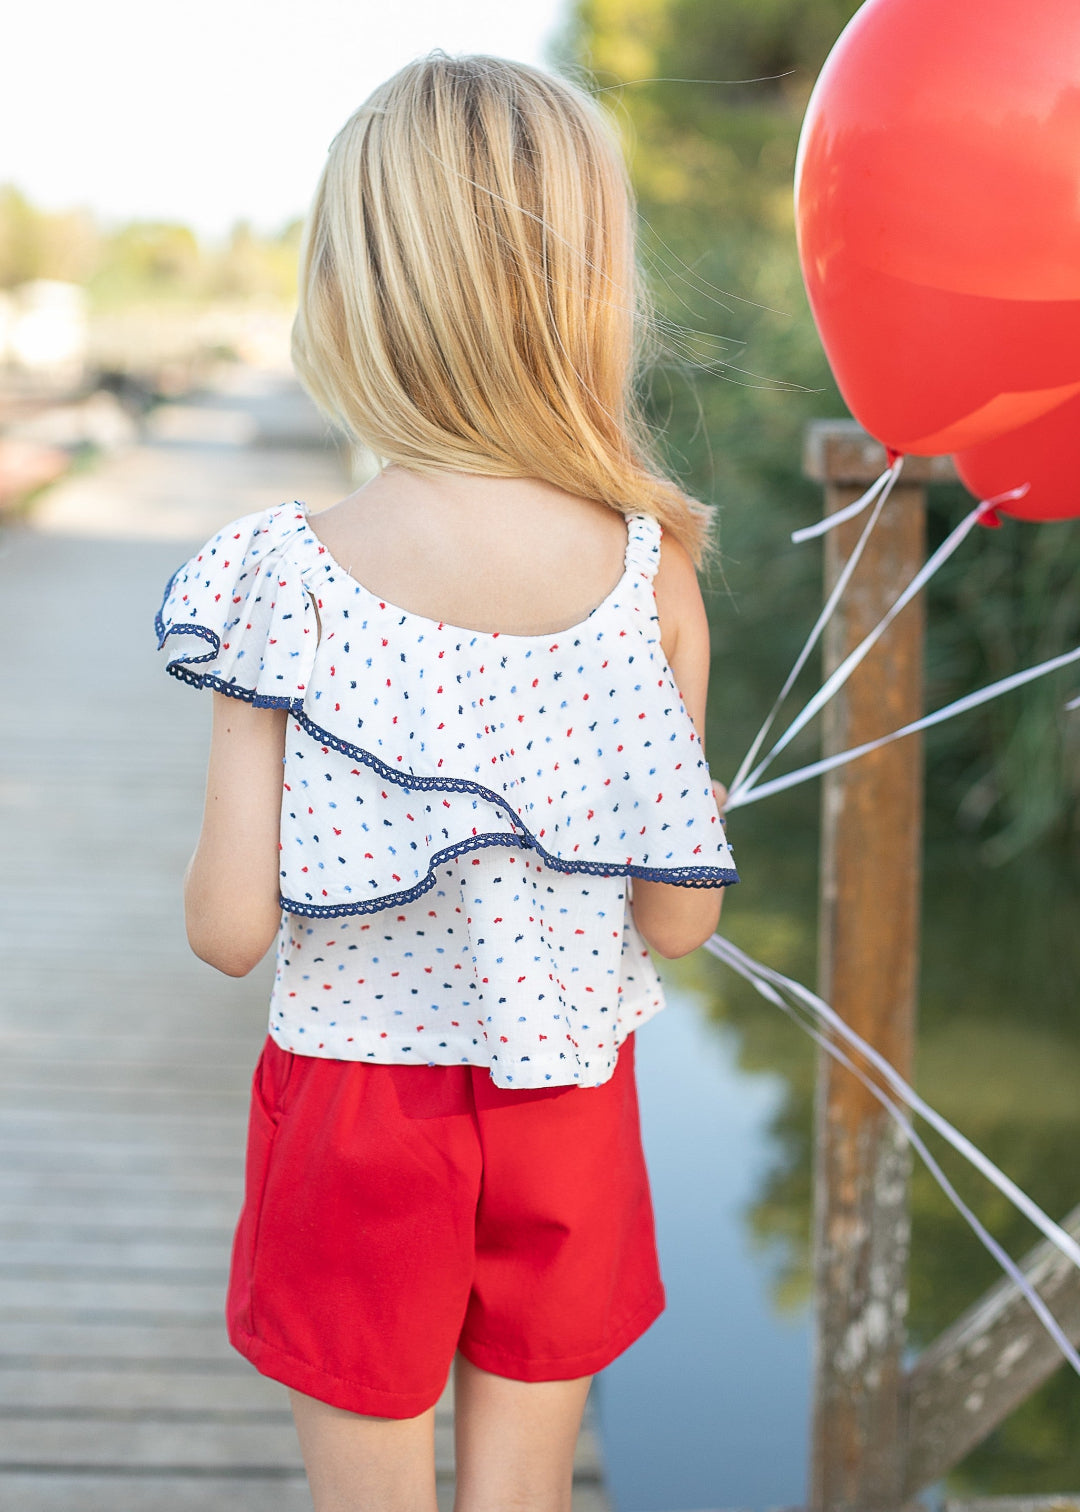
231, 886
675, 920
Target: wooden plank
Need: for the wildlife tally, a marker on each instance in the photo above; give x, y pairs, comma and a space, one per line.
841, 452
870, 889
190, 1181
148, 1104
177, 1085
68, 1293
47, 1253
145, 1388
109, 1158
155, 1442
31, 1229
166, 1210
168, 1133
986, 1363
121, 1048
159, 1440
53, 1338
158, 1493
148, 1492
1015, 1504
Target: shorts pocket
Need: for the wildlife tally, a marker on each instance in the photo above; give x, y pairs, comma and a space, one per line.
275, 1070
263, 1119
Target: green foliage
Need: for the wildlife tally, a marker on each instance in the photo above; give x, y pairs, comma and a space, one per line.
159, 262
143, 262
147, 260
36, 244
1009, 771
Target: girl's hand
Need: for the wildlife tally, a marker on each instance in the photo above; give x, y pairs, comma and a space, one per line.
720, 794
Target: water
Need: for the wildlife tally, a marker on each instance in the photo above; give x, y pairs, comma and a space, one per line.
709, 1407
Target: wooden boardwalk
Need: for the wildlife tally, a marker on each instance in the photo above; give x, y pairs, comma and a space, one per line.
126, 1061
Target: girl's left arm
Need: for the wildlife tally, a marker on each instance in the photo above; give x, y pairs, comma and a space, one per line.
231, 886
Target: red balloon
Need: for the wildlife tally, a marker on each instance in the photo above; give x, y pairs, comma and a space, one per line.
938, 216
1044, 454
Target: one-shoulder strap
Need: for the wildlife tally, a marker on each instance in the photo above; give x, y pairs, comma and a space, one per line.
643, 543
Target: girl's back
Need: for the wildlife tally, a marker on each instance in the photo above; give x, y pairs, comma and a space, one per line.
515, 555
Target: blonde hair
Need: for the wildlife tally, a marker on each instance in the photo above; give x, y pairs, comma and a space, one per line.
470, 298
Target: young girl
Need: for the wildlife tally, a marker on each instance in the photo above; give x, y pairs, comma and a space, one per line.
456, 771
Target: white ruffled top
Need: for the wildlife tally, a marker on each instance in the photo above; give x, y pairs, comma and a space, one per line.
485, 797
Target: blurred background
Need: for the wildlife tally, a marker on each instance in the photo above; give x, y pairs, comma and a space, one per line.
153, 177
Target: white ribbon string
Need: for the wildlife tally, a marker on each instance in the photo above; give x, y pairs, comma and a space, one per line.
885, 481
758, 977
883, 486
821, 1010
839, 677
958, 706
773, 985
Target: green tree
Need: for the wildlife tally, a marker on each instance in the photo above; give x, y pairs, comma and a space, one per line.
36, 244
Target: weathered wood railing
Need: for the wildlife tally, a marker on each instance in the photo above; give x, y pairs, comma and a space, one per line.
880, 1432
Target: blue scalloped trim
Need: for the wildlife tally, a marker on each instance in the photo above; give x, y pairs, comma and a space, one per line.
684, 876
159, 617
705, 876
181, 668
202, 631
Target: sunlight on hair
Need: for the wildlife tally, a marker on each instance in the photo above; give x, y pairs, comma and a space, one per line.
470, 295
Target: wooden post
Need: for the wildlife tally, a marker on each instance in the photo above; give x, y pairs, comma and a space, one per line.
880, 1433
869, 929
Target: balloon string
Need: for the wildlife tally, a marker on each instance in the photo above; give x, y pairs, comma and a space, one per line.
821, 1010
885, 481
839, 677
938, 716
772, 985
743, 784
884, 486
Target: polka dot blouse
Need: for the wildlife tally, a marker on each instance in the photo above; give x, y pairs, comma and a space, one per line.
461, 811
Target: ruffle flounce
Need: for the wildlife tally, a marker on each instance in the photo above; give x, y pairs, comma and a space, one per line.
247, 620
576, 746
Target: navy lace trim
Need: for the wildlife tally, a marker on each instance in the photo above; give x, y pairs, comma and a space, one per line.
680, 876
181, 668
163, 631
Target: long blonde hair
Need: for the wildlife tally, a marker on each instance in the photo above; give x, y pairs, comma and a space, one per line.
470, 297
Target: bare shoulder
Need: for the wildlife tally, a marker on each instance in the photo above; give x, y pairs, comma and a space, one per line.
679, 604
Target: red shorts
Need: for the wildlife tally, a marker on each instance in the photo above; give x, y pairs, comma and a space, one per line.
394, 1214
